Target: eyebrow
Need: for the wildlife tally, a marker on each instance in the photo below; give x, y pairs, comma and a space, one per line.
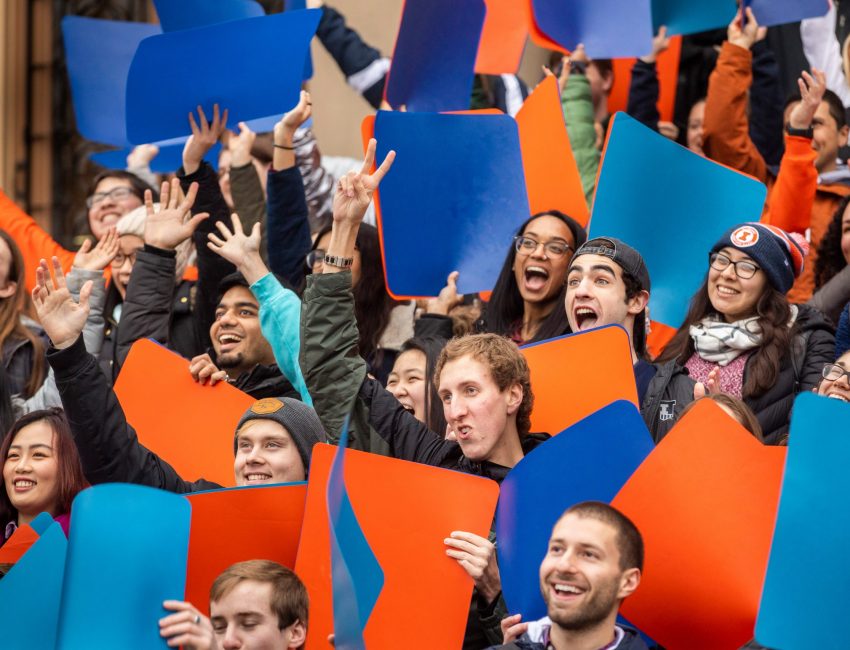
531, 233
253, 305
595, 267
36, 445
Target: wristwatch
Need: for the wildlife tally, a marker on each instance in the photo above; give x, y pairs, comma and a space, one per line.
803, 133
339, 262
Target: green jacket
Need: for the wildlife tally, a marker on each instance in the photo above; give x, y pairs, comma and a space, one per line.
578, 114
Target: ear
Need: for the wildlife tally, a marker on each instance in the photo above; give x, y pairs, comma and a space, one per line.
608, 82
515, 394
638, 303
297, 633
629, 582
842, 135
9, 290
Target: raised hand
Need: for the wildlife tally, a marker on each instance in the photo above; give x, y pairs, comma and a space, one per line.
203, 138
239, 249
448, 298
99, 257
744, 35
240, 145
563, 74
354, 190
660, 42
812, 89
174, 222
294, 118
477, 556
142, 155
61, 316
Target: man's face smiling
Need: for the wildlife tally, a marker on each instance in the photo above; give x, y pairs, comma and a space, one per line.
580, 577
266, 453
236, 336
596, 295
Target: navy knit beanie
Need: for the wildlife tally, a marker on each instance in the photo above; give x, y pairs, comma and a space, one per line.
779, 254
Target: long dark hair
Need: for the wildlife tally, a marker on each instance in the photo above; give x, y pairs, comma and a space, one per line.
435, 418
773, 312
71, 479
372, 303
830, 257
506, 306
11, 310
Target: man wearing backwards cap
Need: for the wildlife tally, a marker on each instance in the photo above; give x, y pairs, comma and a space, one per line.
273, 440
608, 284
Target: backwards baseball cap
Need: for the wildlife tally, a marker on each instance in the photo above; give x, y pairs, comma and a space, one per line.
617, 251
780, 255
296, 417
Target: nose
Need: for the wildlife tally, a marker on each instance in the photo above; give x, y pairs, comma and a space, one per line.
566, 563
228, 318
844, 379
729, 272
126, 266
231, 640
456, 408
22, 466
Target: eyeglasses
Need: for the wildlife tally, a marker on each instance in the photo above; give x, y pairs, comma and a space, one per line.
834, 372
527, 245
744, 269
116, 194
315, 257
120, 258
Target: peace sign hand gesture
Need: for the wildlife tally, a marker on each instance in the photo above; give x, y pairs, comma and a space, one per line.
354, 190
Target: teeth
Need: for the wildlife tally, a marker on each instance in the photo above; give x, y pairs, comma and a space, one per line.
228, 338
24, 483
837, 396
727, 291
258, 477
568, 589
584, 311
536, 269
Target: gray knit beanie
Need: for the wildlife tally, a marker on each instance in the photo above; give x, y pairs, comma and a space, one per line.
296, 417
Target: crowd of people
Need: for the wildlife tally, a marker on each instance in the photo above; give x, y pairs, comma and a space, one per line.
268, 275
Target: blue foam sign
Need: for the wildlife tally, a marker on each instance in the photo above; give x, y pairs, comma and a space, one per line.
260, 77
608, 28
357, 576
590, 460
672, 207
456, 190
30, 594
175, 15
169, 159
433, 63
127, 554
804, 600
98, 54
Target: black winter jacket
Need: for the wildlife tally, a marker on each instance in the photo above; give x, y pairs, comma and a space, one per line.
109, 448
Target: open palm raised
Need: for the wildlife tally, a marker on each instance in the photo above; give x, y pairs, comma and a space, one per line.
61, 316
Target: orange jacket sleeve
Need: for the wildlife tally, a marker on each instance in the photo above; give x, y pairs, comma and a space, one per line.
34, 242
726, 136
789, 205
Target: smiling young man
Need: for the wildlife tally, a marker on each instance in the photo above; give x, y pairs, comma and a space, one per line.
272, 443
254, 605
593, 563
608, 284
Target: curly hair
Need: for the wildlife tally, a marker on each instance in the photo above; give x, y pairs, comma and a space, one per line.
830, 258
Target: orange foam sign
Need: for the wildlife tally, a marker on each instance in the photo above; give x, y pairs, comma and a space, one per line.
537, 36
188, 425
503, 38
405, 510
705, 502
18, 544
552, 178
667, 66
575, 375
229, 526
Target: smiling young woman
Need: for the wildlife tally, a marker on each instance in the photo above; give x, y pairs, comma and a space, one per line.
741, 325
42, 471
527, 303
